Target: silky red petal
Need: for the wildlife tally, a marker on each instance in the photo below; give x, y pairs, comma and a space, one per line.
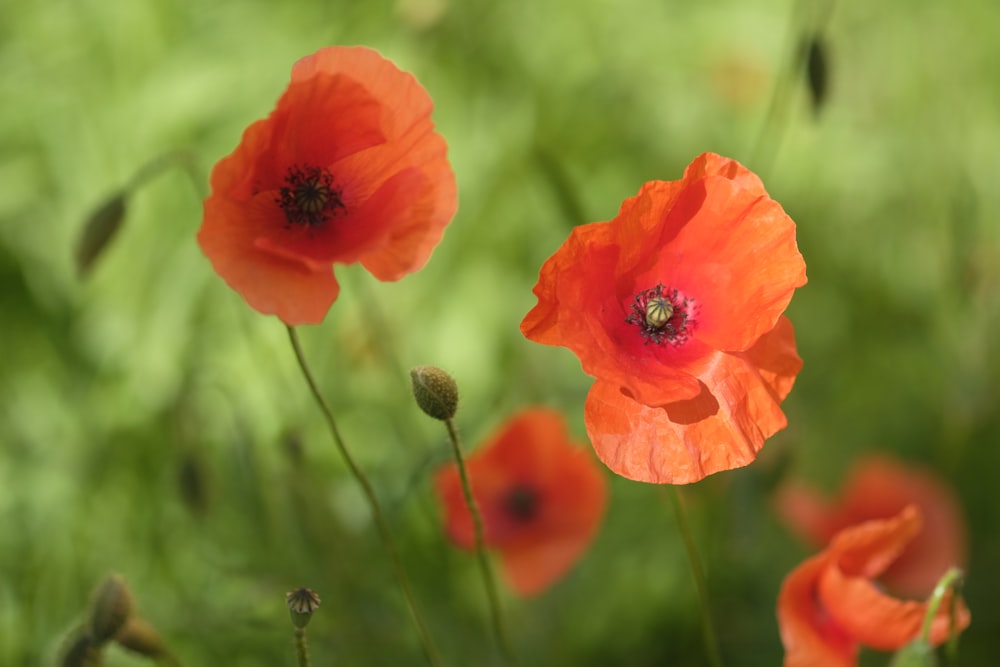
366, 124
531, 451
828, 605
686, 441
271, 280
579, 308
875, 619
810, 637
715, 236
879, 487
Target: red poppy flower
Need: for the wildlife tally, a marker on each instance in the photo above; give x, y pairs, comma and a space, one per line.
541, 498
675, 307
879, 487
347, 168
828, 606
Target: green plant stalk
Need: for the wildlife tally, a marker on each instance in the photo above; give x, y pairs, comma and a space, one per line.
952, 579
484, 564
430, 652
301, 647
707, 628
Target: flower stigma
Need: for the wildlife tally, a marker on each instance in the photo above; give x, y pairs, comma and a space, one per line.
662, 315
309, 198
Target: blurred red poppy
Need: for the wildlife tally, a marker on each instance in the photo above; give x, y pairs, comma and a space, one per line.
541, 498
879, 487
675, 307
347, 168
828, 606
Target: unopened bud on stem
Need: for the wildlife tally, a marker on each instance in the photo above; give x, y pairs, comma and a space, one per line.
435, 391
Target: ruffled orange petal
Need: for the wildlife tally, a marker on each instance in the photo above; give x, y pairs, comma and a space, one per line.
271, 280
365, 125
875, 619
880, 487
810, 637
718, 237
686, 441
579, 308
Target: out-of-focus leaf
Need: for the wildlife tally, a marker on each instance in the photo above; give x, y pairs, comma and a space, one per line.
101, 227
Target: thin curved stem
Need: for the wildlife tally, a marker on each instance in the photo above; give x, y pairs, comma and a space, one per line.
430, 652
707, 628
484, 564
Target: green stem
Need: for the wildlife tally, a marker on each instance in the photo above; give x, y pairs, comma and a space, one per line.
484, 563
379, 517
301, 647
951, 581
707, 629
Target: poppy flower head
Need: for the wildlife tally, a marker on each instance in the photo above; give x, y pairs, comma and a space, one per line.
675, 308
541, 499
879, 487
346, 169
828, 607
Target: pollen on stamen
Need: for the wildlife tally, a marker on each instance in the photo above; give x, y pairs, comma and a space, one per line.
662, 315
309, 197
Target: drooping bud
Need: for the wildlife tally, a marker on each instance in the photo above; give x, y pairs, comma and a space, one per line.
102, 225
301, 602
111, 607
435, 391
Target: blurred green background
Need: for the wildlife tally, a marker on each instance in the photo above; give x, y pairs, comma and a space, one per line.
154, 425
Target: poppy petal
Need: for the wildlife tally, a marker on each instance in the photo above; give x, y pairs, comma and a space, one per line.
563, 496
685, 441
810, 637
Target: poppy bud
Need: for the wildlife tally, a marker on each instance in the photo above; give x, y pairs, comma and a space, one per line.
435, 391
111, 608
101, 227
301, 605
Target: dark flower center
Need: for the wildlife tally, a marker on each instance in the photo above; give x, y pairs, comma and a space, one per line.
521, 503
308, 196
662, 315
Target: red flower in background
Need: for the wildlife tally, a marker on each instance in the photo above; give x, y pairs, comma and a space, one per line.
879, 487
828, 606
347, 168
541, 499
675, 307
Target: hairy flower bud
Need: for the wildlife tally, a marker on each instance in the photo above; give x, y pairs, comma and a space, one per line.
435, 391
111, 608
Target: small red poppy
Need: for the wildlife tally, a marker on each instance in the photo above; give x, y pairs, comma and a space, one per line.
879, 487
675, 307
540, 496
347, 168
828, 606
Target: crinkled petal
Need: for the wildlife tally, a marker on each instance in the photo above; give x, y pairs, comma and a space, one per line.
722, 428
873, 618
810, 637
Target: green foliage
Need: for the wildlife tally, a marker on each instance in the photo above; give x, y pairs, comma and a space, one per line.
153, 425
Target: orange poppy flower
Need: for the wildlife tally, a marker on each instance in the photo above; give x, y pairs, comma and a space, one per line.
675, 307
540, 496
828, 606
879, 487
347, 168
